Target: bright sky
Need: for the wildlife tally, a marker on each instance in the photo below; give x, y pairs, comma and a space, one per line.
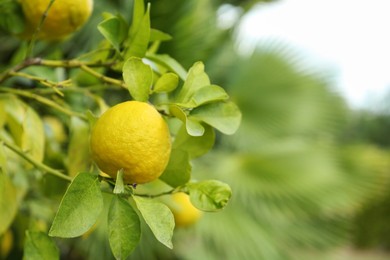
351, 37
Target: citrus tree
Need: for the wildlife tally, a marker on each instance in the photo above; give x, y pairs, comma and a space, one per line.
110, 132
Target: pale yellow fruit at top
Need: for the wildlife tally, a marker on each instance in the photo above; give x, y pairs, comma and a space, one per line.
64, 17
184, 212
132, 136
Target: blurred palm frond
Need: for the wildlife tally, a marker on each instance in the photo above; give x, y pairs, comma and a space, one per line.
294, 185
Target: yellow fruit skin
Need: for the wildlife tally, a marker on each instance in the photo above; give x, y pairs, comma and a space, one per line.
134, 137
64, 17
184, 212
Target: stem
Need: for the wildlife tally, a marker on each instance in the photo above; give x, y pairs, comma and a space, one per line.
151, 196
30, 48
102, 77
93, 52
52, 63
45, 101
44, 168
29, 62
84, 90
45, 82
110, 181
73, 63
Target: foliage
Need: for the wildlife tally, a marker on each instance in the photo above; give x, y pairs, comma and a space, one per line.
370, 224
297, 187
300, 171
125, 64
369, 127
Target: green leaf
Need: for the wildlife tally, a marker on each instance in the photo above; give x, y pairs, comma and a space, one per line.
119, 184
79, 156
3, 158
124, 228
178, 170
38, 246
178, 113
107, 15
25, 126
114, 30
159, 218
169, 63
11, 17
193, 127
166, 83
195, 80
33, 137
207, 94
139, 37
195, 146
8, 202
92, 118
80, 207
3, 114
20, 53
138, 78
138, 14
204, 95
210, 195
157, 35
224, 116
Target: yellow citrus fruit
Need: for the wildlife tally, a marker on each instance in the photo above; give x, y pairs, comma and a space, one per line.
184, 212
132, 136
63, 18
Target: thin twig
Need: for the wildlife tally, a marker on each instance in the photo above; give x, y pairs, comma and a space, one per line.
30, 48
43, 167
52, 63
102, 77
151, 196
43, 81
74, 63
45, 101
29, 62
85, 90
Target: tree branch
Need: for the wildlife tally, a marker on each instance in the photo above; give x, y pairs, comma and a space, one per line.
151, 196
52, 63
102, 77
44, 168
45, 101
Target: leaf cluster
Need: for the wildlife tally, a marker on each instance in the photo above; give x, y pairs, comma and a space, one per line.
127, 60
296, 186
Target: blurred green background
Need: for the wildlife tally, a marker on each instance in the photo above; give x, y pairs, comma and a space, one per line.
310, 176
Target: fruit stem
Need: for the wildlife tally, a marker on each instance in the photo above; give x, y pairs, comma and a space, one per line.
43, 167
